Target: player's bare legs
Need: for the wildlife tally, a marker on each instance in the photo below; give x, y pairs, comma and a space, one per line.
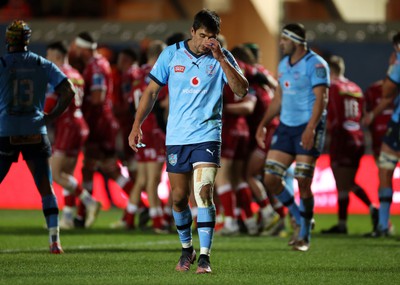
180, 191
275, 170
243, 196
154, 170
227, 197
41, 172
386, 170
63, 169
304, 172
254, 176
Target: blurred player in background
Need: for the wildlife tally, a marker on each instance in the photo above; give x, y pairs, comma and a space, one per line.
123, 105
300, 100
24, 77
390, 148
151, 158
264, 88
71, 132
347, 144
378, 127
100, 147
232, 188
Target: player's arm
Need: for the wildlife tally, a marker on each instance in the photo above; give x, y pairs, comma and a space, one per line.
244, 108
236, 79
66, 92
146, 104
321, 101
273, 110
389, 92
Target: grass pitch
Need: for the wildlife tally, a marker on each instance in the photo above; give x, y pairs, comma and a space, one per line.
104, 256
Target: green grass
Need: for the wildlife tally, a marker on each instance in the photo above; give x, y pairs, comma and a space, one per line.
104, 256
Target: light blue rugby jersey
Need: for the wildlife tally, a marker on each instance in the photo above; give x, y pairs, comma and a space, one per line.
394, 75
195, 85
297, 82
24, 77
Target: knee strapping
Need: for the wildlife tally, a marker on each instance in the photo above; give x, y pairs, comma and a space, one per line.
387, 161
304, 170
275, 168
204, 176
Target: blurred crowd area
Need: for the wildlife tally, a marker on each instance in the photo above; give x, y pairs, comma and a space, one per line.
33, 9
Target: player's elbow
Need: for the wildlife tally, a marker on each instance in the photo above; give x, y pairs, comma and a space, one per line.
244, 92
243, 89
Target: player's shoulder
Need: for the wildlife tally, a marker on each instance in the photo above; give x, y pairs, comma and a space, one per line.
38, 59
71, 72
176, 47
313, 58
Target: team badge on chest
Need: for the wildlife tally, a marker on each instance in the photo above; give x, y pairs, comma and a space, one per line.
210, 70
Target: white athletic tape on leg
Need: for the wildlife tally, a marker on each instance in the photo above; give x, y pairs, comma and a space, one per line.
202, 177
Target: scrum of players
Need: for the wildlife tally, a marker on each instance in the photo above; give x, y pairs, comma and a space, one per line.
103, 109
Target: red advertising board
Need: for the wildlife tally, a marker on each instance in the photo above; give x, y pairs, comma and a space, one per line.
18, 191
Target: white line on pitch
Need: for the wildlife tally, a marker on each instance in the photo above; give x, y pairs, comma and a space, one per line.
119, 245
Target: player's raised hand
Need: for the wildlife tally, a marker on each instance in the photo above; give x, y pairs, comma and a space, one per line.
215, 48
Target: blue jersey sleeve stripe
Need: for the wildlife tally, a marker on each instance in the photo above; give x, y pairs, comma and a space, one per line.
156, 80
65, 79
321, 84
308, 57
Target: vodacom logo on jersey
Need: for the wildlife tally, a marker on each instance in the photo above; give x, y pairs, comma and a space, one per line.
195, 81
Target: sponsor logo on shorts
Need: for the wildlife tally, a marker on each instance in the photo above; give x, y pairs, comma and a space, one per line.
210, 152
172, 159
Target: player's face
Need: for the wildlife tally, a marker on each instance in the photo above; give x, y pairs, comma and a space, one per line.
51, 54
287, 46
123, 62
199, 38
75, 50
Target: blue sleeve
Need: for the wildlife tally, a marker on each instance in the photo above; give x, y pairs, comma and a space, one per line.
56, 76
319, 72
160, 70
394, 72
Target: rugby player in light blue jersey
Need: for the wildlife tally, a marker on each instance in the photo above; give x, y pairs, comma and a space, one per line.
301, 99
390, 148
196, 71
24, 77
